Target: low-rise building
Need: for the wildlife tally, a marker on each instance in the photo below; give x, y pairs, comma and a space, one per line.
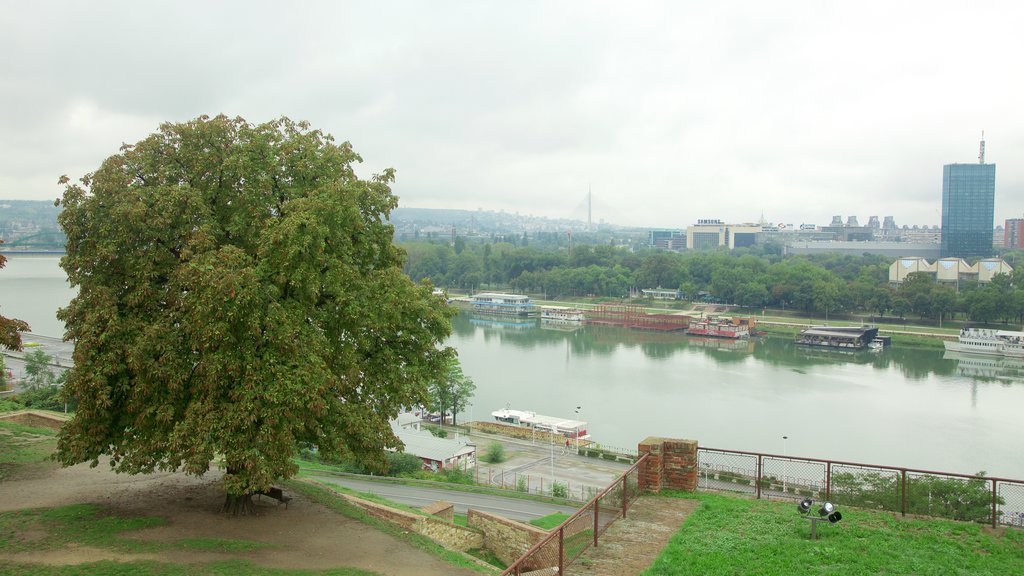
948, 270
436, 453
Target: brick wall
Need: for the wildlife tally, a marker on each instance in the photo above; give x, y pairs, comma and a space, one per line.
672, 464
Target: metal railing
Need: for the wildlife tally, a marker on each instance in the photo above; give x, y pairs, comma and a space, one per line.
564, 544
990, 500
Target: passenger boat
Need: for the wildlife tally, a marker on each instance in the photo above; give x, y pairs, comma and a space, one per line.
718, 328
574, 429
501, 304
561, 314
839, 337
988, 342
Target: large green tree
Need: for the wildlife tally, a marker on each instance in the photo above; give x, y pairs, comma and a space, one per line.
240, 297
451, 393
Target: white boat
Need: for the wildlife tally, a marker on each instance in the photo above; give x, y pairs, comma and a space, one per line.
561, 314
575, 429
501, 304
988, 342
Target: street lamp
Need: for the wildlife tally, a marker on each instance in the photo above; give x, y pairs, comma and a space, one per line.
785, 464
578, 408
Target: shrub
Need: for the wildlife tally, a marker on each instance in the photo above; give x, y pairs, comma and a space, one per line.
457, 476
522, 484
559, 490
400, 463
495, 453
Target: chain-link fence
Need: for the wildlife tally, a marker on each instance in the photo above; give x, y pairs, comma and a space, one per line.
581, 530
918, 492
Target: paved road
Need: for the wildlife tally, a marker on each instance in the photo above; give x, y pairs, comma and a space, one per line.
508, 507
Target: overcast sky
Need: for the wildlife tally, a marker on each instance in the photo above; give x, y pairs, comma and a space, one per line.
667, 111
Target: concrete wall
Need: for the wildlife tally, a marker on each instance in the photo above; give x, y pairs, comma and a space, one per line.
672, 464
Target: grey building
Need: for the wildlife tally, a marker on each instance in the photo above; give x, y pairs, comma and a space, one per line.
968, 208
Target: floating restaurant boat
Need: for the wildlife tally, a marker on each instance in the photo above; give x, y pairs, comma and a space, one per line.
988, 342
839, 337
561, 314
573, 429
718, 328
501, 304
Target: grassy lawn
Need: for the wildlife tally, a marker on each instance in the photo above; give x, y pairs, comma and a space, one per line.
88, 525
24, 447
728, 535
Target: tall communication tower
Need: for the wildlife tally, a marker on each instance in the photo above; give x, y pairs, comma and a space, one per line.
590, 203
981, 151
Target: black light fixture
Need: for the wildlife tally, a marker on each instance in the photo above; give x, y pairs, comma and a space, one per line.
827, 511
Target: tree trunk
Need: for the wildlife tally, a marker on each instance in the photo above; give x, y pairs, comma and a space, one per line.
236, 504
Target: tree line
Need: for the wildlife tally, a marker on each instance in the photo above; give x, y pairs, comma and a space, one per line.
760, 277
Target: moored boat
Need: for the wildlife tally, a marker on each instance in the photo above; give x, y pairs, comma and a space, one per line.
718, 328
839, 337
573, 429
561, 314
501, 304
988, 342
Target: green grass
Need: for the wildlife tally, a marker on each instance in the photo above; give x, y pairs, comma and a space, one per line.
550, 521
734, 536
325, 495
89, 525
23, 445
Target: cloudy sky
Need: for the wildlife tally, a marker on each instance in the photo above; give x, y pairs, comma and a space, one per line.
667, 111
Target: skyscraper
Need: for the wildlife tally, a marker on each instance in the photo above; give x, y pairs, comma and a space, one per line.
968, 208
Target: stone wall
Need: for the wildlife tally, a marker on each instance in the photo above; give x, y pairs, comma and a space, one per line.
508, 539
671, 464
36, 419
451, 536
441, 509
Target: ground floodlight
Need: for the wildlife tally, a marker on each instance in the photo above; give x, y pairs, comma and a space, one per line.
805, 505
835, 517
826, 509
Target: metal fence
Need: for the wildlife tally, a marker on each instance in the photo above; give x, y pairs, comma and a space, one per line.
990, 500
583, 529
536, 484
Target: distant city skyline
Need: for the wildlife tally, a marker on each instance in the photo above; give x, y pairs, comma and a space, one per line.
669, 112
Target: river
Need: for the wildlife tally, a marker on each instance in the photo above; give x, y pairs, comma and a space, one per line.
902, 407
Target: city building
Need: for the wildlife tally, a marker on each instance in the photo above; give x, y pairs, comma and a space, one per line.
709, 233
1013, 234
667, 239
948, 270
968, 208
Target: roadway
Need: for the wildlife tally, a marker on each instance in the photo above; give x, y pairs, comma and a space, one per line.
520, 509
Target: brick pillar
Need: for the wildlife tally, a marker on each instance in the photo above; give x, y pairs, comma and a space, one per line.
672, 464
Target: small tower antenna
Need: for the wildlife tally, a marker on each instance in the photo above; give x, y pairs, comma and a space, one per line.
981, 151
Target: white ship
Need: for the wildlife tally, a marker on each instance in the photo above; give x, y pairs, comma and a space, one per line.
988, 342
561, 314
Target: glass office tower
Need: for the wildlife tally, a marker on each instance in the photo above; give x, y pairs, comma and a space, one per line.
968, 210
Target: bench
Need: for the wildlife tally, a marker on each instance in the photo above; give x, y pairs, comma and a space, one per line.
276, 494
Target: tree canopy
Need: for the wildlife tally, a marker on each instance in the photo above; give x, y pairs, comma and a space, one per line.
240, 298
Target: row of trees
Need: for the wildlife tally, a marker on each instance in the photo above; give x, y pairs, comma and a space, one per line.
823, 285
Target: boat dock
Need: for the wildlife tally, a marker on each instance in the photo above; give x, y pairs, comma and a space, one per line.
634, 316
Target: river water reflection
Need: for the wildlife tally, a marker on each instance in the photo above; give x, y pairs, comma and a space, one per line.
903, 406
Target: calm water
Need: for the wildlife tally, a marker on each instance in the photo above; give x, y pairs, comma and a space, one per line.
901, 407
